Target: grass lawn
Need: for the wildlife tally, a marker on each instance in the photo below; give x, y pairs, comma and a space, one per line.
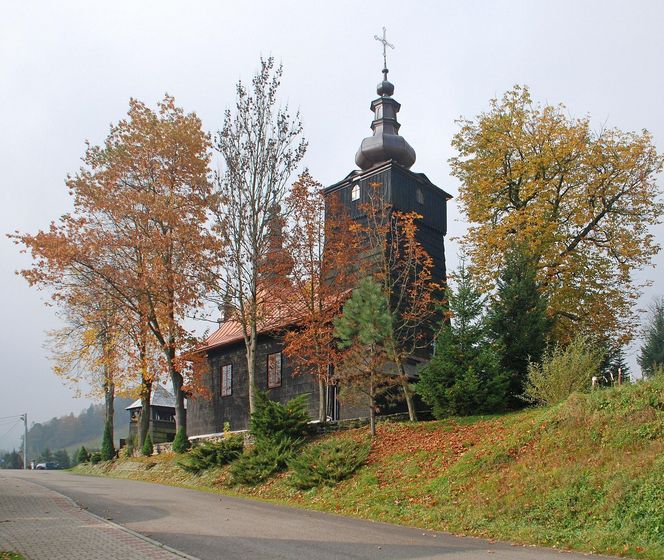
587, 474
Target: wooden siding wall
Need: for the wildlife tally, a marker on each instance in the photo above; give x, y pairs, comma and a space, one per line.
208, 416
399, 187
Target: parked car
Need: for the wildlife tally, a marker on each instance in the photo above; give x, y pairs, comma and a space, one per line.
47, 466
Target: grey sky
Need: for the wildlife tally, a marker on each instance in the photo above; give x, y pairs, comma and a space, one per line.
67, 70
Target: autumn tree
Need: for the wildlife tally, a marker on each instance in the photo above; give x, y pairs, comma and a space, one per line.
261, 145
141, 202
400, 265
321, 247
582, 200
90, 349
362, 332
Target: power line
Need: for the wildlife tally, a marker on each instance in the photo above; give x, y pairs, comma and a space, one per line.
10, 429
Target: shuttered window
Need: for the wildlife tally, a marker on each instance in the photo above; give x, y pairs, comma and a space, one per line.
226, 380
274, 370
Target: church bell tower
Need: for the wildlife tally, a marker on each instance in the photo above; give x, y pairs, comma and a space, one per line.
385, 159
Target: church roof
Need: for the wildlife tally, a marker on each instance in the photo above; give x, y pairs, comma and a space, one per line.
160, 397
276, 316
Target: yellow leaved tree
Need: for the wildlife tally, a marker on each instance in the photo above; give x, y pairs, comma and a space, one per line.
582, 201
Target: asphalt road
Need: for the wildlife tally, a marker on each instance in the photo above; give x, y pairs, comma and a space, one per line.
214, 527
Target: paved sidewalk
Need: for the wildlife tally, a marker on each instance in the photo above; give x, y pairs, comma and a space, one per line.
44, 525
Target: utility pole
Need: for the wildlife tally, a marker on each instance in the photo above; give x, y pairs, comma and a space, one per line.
25, 442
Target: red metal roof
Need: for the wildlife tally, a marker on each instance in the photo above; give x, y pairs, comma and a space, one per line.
227, 333
276, 315
230, 332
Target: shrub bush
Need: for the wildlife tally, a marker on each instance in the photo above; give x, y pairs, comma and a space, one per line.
107, 449
213, 454
278, 431
264, 459
95, 457
562, 372
148, 448
83, 455
181, 441
327, 462
273, 421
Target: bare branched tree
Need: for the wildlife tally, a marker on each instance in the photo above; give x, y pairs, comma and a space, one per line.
261, 145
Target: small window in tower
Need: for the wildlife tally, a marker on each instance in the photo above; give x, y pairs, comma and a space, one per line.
355, 193
419, 195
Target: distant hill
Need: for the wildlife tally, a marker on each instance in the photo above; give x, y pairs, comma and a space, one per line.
69, 432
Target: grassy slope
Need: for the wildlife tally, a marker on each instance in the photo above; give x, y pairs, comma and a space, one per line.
587, 474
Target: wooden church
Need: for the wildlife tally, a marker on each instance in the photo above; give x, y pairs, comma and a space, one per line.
383, 158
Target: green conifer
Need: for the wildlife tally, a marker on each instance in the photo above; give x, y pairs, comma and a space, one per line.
464, 376
147, 448
107, 448
83, 455
652, 351
181, 442
363, 331
518, 321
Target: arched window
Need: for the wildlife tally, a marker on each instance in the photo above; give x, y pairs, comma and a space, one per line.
355, 193
419, 196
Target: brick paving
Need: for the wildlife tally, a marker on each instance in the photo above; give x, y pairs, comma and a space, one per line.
44, 525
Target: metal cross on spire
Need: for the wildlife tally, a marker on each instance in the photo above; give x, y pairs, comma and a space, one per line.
385, 43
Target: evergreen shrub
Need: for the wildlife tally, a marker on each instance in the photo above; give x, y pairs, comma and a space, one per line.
181, 441
273, 421
327, 462
107, 449
83, 455
148, 448
213, 454
265, 458
278, 431
95, 457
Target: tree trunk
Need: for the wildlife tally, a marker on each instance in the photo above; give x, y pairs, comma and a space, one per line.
372, 408
322, 400
372, 416
251, 366
109, 384
180, 412
109, 408
407, 393
177, 382
144, 420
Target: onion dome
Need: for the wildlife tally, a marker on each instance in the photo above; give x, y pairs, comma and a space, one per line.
385, 144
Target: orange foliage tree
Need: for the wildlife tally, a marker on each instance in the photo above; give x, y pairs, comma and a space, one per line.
581, 201
88, 350
401, 266
321, 257
138, 232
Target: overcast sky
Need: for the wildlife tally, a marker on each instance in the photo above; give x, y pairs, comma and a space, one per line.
68, 69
